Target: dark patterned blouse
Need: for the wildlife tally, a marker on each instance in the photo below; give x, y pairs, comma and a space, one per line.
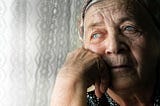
106, 100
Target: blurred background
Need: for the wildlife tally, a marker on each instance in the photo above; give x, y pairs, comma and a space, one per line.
35, 36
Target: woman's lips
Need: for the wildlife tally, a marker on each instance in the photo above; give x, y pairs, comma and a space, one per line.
121, 68
119, 62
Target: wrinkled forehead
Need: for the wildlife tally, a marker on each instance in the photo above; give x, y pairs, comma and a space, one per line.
115, 9
113, 6
103, 11
128, 6
145, 13
118, 2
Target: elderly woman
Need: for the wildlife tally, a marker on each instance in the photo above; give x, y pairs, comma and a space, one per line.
120, 56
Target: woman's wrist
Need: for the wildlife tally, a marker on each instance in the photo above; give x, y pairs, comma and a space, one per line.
72, 75
69, 89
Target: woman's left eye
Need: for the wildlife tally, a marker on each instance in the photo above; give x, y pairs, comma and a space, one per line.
130, 29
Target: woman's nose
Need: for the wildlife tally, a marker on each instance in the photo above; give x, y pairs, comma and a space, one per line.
114, 44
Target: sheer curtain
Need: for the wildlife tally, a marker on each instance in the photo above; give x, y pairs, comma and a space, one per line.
35, 36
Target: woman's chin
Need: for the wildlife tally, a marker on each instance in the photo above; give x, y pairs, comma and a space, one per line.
123, 84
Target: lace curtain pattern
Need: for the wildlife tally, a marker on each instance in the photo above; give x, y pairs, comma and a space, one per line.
35, 36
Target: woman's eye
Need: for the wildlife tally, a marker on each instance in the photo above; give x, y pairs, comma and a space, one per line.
96, 35
130, 31
97, 38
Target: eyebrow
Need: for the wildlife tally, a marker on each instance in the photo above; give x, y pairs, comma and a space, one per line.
130, 18
101, 23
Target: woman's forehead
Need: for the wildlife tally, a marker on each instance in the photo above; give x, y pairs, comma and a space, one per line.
107, 5
143, 12
106, 15
111, 7
116, 11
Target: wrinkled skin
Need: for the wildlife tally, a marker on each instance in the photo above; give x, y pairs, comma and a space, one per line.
124, 41
119, 54
90, 67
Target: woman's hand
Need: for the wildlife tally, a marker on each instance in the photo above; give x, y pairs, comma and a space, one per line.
81, 69
89, 67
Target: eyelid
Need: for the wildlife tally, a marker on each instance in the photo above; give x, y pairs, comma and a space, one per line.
97, 36
135, 28
96, 33
128, 25
135, 32
101, 32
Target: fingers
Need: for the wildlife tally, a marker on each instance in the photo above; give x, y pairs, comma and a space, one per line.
105, 79
98, 92
101, 87
90, 67
102, 83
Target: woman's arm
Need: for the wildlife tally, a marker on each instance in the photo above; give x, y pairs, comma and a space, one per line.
69, 91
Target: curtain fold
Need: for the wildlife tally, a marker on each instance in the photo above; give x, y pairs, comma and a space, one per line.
35, 36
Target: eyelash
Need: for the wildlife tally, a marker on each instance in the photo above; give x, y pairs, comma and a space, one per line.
134, 30
127, 30
93, 35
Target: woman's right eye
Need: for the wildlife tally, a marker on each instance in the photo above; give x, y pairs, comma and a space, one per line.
96, 36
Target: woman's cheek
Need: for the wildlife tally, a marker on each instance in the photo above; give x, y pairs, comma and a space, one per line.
96, 48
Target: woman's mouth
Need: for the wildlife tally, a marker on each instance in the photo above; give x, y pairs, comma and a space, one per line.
126, 67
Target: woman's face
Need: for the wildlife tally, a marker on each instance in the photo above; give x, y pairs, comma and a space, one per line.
124, 36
